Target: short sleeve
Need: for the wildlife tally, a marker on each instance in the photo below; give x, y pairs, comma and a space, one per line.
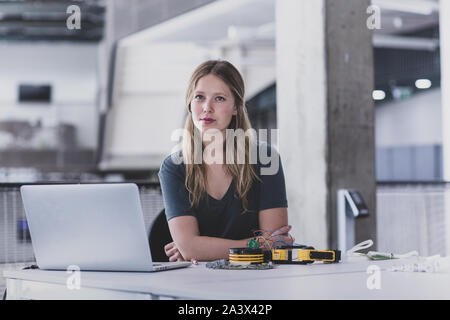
176, 197
273, 187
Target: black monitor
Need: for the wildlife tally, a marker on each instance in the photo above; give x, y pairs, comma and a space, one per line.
35, 93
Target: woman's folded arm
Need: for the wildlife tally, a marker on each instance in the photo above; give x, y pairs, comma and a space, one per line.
191, 245
186, 236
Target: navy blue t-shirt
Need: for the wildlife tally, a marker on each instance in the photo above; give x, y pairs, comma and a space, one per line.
225, 218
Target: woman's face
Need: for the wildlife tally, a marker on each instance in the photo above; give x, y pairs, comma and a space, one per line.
212, 105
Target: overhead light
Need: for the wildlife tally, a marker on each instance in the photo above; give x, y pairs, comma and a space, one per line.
397, 22
423, 84
378, 95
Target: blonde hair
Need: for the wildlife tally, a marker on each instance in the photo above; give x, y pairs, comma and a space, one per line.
242, 174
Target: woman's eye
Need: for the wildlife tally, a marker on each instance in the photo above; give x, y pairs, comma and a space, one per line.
220, 99
198, 97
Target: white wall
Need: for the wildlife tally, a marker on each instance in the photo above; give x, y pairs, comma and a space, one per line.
259, 71
148, 102
71, 69
415, 121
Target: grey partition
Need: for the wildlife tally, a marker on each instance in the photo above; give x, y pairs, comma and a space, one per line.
412, 216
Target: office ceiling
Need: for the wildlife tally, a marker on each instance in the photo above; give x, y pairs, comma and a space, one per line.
253, 20
46, 19
30, 20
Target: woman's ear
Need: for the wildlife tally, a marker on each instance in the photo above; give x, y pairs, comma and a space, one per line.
235, 111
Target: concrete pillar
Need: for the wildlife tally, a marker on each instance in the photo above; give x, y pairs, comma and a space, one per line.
325, 113
444, 21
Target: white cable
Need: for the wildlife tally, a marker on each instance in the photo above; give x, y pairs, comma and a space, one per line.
406, 255
360, 246
375, 255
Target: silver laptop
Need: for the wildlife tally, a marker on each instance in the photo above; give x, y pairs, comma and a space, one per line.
91, 226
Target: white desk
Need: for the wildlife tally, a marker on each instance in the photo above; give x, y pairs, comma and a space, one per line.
346, 280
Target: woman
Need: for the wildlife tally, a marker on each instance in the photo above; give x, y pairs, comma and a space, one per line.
214, 206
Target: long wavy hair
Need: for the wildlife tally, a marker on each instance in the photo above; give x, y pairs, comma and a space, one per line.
242, 174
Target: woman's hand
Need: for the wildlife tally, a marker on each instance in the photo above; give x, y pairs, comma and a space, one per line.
173, 253
274, 228
282, 235
278, 237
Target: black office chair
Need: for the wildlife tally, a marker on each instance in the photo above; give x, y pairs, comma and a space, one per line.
159, 236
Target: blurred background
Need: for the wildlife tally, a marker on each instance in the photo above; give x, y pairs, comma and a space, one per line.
99, 103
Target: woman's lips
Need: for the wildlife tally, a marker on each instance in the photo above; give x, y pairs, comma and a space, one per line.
207, 120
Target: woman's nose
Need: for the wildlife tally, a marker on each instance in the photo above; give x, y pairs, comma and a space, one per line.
207, 105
